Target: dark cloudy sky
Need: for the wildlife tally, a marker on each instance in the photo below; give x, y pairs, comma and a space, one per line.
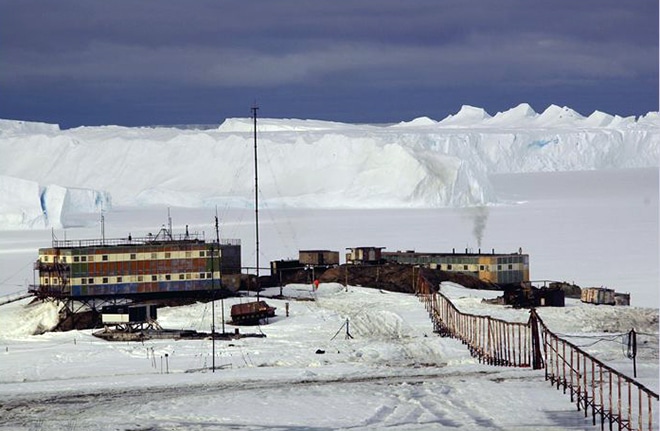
91, 62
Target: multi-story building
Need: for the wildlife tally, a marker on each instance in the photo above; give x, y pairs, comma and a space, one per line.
154, 266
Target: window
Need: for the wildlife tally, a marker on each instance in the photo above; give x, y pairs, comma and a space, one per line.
90, 281
189, 254
464, 267
76, 258
83, 281
202, 275
104, 257
449, 267
168, 277
208, 275
133, 256
510, 266
105, 280
45, 281
201, 254
188, 276
119, 279
140, 278
482, 268
83, 258
154, 255
154, 278
181, 276
168, 255
90, 258
64, 259
45, 258
499, 267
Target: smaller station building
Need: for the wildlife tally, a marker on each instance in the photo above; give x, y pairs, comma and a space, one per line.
493, 267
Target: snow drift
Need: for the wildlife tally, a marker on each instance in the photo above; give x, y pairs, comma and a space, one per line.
318, 164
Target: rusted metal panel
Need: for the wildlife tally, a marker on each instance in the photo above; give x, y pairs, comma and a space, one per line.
598, 295
318, 257
251, 312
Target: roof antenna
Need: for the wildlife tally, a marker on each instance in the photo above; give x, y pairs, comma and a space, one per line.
102, 228
169, 222
217, 229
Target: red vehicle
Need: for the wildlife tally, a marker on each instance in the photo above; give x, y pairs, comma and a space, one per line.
250, 313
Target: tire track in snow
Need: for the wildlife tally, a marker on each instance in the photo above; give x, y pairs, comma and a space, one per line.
92, 405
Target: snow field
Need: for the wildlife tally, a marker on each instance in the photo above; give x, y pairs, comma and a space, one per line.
394, 373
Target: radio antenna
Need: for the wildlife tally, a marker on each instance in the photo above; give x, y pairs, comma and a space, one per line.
256, 195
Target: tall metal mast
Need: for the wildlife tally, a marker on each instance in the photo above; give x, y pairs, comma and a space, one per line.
213, 304
256, 193
222, 296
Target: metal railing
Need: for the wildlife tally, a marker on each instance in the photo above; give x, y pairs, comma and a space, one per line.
13, 297
614, 398
492, 341
134, 241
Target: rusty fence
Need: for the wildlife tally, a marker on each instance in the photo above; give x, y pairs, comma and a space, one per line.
612, 398
492, 341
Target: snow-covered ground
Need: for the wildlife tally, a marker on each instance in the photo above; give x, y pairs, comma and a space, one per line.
393, 374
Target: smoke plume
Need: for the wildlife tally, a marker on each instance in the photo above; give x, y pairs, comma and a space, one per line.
479, 217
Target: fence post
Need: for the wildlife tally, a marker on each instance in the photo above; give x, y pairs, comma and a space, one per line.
537, 359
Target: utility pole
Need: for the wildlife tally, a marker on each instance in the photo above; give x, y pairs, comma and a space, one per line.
212, 310
256, 194
222, 296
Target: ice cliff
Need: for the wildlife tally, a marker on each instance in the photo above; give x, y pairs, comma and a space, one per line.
305, 163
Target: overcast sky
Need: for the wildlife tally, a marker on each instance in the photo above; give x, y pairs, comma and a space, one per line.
134, 62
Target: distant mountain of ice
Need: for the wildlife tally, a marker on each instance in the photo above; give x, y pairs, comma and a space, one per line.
306, 163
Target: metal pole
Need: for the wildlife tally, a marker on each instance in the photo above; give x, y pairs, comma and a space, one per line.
212, 311
256, 194
633, 335
102, 228
222, 298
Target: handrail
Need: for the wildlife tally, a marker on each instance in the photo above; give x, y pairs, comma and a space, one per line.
590, 382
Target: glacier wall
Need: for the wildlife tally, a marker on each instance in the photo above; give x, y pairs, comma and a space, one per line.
307, 163
25, 204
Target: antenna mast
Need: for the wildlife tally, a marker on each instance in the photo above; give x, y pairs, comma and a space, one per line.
256, 193
222, 296
169, 222
213, 305
102, 228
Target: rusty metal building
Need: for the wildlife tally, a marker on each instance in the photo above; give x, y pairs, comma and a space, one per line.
318, 257
603, 295
364, 255
493, 267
